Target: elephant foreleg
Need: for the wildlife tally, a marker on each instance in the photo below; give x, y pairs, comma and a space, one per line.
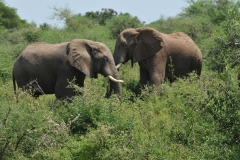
144, 76
62, 91
80, 80
157, 78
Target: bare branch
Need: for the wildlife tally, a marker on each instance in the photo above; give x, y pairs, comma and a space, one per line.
227, 43
6, 118
4, 148
22, 136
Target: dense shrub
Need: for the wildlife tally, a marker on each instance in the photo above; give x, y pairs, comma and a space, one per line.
11, 36
197, 27
31, 35
79, 23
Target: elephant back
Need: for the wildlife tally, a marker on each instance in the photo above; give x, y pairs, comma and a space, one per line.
180, 43
44, 49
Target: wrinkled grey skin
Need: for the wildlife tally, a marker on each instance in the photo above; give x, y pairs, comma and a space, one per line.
53, 66
159, 55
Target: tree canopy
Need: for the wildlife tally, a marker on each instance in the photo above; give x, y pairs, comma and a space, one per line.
102, 16
9, 18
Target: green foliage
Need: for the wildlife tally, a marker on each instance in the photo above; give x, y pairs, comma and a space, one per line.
26, 127
101, 17
197, 27
77, 23
121, 22
11, 36
214, 10
45, 26
61, 13
31, 35
226, 53
9, 18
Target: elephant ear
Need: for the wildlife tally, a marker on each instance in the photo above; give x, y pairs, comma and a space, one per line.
149, 43
79, 54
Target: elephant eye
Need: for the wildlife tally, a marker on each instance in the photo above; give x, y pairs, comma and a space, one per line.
105, 58
123, 45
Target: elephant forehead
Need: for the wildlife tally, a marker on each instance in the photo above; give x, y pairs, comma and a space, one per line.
129, 33
127, 36
128, 30
103, 47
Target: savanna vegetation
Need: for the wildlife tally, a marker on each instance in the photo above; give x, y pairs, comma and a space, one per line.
192, 118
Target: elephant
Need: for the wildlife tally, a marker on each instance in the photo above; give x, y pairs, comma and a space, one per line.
54, 65
160, 56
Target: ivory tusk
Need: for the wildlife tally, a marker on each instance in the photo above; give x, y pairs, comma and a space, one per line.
115, 80
119, 65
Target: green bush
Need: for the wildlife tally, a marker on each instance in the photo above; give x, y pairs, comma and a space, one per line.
12, 36
102, 16
123, 21
197, 27
79, 23
226, 54
25, 130
45, 26
31, 35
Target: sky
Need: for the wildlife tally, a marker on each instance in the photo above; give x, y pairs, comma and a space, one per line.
40, 11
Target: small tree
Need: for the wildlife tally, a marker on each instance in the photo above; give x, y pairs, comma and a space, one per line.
72, 21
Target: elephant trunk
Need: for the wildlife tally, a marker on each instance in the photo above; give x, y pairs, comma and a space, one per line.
114, 86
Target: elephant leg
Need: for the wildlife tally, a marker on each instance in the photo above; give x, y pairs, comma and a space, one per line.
157, 78
80, 80
157, 75
62, 91
144, 76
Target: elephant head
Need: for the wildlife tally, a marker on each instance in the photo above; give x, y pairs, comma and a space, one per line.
136, 45
92, 58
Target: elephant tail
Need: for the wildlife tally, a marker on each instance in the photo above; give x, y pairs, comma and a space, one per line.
198, 70
199, 67
196, 65
14, 87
